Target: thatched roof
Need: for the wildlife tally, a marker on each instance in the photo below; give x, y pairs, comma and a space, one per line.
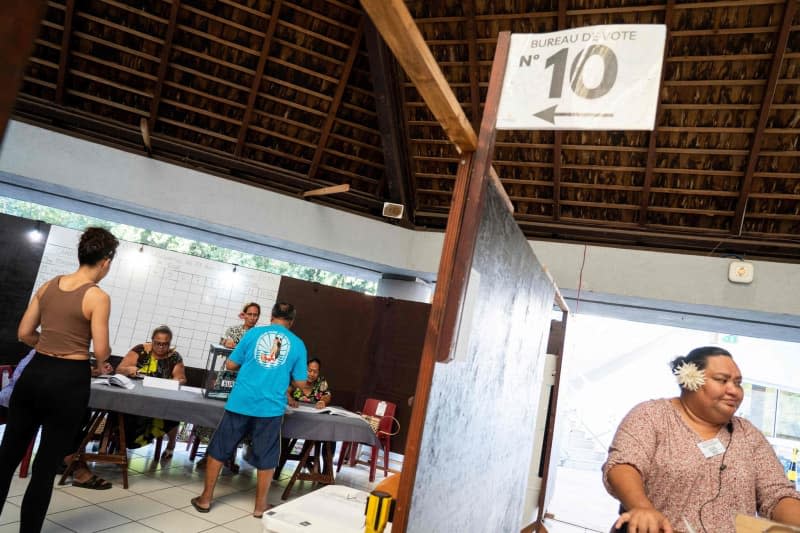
295, 95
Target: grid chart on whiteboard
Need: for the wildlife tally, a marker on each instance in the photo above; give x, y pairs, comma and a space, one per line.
197, 298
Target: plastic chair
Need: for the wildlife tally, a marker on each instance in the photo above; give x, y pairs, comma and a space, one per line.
384, 434
5, 375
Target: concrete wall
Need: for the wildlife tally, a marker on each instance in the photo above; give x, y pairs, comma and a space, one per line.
55, 169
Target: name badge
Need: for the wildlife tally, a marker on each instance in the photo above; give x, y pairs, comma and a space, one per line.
712, 447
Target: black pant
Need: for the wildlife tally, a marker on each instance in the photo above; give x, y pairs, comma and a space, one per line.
52, 393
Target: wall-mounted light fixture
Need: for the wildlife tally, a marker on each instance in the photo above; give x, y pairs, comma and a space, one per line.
36, 235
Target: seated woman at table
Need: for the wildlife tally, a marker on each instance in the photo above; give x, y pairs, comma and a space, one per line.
314, 391
157, 359
687, 461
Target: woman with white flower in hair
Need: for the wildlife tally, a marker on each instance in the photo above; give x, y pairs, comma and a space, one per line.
688, 464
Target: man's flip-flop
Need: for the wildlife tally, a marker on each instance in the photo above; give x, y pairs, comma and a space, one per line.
94, 482
267, 510
198, 507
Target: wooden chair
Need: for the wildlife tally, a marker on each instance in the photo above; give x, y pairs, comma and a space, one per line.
5, 375
384, 433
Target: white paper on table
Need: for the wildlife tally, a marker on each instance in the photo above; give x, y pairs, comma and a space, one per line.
161, 383
329, 410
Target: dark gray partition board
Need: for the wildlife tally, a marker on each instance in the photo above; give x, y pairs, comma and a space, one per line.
19, 262
477, 440
470, 443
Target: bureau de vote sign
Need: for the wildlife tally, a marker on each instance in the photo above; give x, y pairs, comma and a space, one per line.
591, 78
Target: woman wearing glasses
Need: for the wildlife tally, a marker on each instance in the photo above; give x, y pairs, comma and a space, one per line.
155, 358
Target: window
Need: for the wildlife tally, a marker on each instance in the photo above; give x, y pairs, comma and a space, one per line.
775, 411
758, 407
59, 217
787, 423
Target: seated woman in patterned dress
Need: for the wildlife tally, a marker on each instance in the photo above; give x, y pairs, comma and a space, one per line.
687, 463
314, 391
158, 359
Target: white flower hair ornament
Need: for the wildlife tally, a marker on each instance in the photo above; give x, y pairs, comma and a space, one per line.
689, 376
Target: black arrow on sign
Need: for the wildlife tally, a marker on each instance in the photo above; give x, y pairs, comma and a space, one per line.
550, 114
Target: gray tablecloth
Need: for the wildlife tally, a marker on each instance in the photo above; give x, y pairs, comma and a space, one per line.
194, 408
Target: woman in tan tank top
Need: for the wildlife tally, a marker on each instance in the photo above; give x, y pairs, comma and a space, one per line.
53, 391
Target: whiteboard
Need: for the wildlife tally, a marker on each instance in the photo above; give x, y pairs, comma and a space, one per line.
197, 298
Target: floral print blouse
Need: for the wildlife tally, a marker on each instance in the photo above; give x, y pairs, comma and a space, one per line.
148, 365
318, 390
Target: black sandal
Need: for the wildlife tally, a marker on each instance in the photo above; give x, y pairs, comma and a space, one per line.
94, 482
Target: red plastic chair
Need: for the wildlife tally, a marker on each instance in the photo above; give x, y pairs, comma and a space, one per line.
384, 434
5, 375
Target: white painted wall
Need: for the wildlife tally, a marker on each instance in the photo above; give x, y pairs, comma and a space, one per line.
70, 167
683, 278
85, 167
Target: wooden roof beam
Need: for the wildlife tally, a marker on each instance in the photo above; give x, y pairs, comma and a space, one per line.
333, 110
558, 138
324, 191
401, 33
162, 67
653, 144
397, 182
769, 94
64, 55
262, 61
471, 30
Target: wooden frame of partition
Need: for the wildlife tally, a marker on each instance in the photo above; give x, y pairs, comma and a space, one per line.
398, 29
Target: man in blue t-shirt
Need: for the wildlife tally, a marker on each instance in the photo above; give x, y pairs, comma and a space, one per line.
267, 358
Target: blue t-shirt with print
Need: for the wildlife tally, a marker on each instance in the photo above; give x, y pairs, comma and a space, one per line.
269, 356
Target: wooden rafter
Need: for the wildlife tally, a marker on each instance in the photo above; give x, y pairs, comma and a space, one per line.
401, 33
558, 136
397, 181
180, 153
64, 55
769, 93
692, 238
337, 100
474, 69
324, 191
166, 49
707, 154
653, 141
262, 62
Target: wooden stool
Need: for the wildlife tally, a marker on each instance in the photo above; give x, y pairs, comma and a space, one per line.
324, 477
111, 427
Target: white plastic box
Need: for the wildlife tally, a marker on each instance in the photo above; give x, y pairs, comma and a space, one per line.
331, 509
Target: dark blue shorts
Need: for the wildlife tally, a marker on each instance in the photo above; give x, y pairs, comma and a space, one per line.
233, 427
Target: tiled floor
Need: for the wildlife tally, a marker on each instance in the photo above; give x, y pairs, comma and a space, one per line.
158, 498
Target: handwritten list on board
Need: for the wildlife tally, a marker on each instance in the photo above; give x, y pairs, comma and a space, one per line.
197, 298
